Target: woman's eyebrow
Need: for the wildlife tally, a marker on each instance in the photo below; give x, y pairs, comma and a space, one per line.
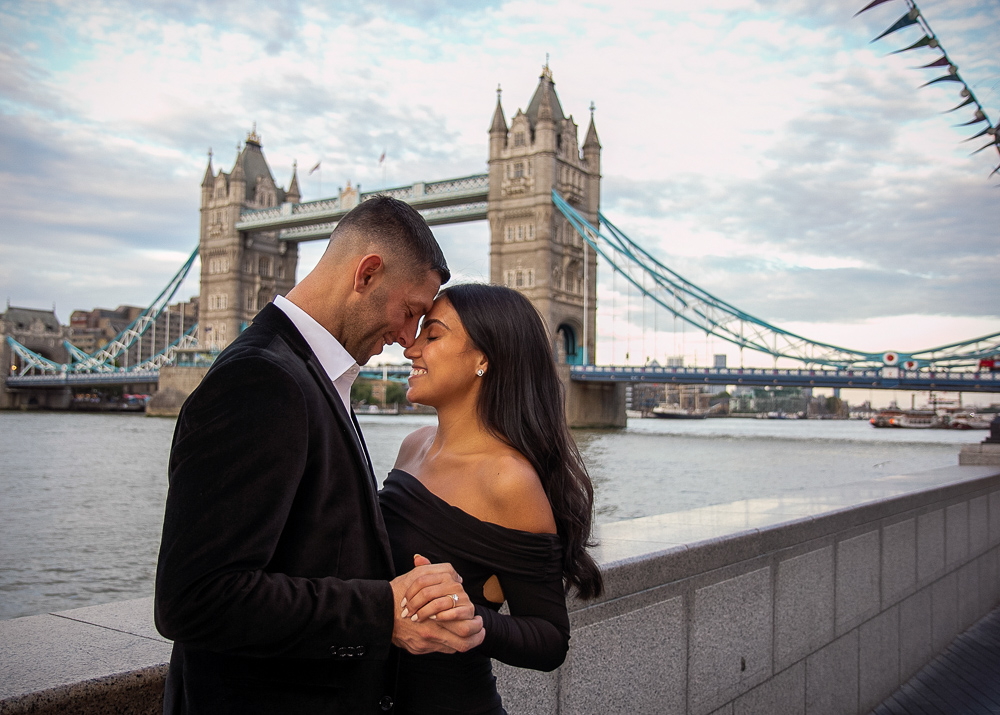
428, 322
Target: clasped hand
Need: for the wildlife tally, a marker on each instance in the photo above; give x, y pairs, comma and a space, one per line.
427, 617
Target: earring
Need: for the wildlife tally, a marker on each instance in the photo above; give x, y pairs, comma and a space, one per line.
480, 372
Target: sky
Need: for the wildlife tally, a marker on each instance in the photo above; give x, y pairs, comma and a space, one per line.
765, 150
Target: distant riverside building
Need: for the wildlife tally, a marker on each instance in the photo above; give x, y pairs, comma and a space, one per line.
39, 331
91, 330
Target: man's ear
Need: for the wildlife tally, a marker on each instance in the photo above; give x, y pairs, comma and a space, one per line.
369, 269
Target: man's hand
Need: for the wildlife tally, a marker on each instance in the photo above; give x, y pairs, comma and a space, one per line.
426, 617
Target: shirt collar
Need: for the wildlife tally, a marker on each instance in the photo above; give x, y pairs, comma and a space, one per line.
336, 361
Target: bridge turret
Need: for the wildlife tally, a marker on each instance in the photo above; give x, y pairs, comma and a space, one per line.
241, 272
532, 247
592, 162
292, 196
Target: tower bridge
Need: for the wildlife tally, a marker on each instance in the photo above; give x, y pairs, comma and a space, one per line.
541, 197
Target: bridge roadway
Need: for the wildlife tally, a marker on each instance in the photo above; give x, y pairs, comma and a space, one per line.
439, 202
887, 378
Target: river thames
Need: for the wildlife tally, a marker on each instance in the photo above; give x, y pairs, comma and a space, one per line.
81, 495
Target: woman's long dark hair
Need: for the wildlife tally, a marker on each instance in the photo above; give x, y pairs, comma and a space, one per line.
521, 402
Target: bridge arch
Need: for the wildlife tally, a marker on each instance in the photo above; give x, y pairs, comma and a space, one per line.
567, 348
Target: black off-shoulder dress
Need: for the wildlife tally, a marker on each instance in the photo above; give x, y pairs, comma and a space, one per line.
529, 568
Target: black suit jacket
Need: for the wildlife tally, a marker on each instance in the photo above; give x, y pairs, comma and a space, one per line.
274, 564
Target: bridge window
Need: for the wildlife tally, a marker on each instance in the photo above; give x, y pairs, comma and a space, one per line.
218, 301
518, 170
518, 138
251, 301
510, 234
248, 266
264, 267
519, 278
280, 269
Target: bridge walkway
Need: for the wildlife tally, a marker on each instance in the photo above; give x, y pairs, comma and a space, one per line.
963, 680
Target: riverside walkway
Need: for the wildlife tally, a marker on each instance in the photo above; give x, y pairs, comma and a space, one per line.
815, 602
964, 680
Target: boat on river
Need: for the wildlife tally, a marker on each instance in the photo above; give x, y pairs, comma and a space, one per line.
931, 419
676, 412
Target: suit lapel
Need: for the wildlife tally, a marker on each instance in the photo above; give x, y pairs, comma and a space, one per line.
352, 431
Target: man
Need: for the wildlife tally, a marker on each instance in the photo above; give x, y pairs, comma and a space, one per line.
274, 578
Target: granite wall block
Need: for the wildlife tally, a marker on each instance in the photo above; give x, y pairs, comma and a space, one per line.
632, 663
944, 612
857, 584
899, 561
930, 546
968, 595
979, 525
832, 678
956, 534
784, 694
878, 658
915, 645
995, 518
731, 639
803, 606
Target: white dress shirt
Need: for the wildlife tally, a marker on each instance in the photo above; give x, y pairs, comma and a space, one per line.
336, 361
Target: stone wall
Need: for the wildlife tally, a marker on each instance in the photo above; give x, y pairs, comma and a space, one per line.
809, 604
176, 383
819, 602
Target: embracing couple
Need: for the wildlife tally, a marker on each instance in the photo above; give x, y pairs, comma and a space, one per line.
288, 584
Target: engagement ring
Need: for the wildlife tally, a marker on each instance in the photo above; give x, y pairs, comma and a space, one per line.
454, 598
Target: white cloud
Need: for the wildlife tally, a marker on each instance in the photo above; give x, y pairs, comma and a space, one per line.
745, 143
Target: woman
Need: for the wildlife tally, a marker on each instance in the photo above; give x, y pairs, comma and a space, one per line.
497, 489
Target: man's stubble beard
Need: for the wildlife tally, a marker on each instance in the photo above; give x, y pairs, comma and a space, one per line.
367, 325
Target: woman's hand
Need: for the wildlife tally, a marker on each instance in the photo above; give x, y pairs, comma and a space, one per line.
433, 599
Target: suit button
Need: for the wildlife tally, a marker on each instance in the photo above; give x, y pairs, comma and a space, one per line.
385, 703
359, 651
333, 650
342, 651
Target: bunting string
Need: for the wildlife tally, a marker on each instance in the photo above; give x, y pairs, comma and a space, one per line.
914, 17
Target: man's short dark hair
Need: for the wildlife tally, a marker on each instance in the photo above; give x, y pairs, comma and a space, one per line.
398, 227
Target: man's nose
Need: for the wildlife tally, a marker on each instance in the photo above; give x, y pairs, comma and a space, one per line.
411, 351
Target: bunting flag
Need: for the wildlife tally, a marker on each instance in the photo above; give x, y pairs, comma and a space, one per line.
929, 39
946, 78
869, 6
906, 20
925, 41
942, 61
980, 117
314, 168
382, 158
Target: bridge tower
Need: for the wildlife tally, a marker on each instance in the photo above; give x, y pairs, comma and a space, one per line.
241, 273
533, 249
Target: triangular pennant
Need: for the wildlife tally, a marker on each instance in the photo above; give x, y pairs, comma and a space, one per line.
980, 117
869, 6
943, 61
976, 136
905, 21
992, 143
967, 101
922, 42
946, 78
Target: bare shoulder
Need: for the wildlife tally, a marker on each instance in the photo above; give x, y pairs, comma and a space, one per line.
517, 494
414, 446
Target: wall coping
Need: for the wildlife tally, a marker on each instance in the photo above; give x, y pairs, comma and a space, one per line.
112, 652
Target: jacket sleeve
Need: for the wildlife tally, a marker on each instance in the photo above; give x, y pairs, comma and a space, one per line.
536, 633
240, 450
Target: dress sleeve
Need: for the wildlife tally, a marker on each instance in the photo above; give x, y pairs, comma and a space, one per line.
536, 633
